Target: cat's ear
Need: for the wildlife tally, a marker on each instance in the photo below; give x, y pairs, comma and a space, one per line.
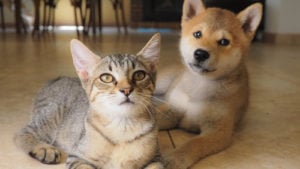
191, 8
151, 51
250, 18
84, 60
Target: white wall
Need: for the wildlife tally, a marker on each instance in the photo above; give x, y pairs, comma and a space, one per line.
282, 16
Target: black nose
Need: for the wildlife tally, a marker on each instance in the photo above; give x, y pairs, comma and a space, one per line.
201, 55
126, 91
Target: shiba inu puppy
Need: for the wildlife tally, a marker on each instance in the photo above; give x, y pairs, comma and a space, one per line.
211, 94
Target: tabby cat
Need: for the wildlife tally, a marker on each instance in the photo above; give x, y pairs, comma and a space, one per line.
103, 119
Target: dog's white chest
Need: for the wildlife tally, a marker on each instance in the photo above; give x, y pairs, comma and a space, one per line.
178, 99
189, 97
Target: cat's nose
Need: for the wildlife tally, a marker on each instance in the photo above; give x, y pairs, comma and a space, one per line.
126, 91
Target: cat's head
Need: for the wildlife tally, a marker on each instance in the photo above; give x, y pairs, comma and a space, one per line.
120, 82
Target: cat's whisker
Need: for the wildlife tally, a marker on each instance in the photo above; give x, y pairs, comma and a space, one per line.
90, 110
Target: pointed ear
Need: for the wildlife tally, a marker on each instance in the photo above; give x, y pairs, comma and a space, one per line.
151, 51
83, 59
191, 8
250, 18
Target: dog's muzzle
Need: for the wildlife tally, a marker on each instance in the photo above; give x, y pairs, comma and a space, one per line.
198, 65
201, 55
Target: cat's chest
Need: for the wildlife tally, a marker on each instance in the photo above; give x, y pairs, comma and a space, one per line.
126, 130
112, 149
133, 154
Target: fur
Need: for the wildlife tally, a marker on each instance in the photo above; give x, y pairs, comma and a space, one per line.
210, 95
103, 119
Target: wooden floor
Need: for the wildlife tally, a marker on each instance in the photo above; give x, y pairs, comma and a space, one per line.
269, 137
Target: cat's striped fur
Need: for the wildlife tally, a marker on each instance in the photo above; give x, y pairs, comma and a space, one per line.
103, 119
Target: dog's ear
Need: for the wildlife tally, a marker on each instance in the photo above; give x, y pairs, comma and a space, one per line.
250, 18
191, 8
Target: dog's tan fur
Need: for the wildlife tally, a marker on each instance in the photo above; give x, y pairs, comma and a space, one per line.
211, 98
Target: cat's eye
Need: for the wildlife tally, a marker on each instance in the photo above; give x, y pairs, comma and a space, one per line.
224, 42
197, 34
107, 78
139, 75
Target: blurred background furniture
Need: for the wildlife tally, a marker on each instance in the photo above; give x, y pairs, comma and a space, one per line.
49, 14
36, 24
167, 13
118, 7
89, 13
19, 23
77, 4
2, 15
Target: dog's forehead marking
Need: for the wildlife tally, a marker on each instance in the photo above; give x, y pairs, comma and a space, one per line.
219, 19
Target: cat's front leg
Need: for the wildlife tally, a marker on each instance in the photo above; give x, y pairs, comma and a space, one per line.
74, 162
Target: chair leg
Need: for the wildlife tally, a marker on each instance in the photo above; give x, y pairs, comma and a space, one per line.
2, 18
100, 15
123, 15
86, 20
53, 18
82, 18
76, 22
115, 6
92, 16
49, 17
44, 17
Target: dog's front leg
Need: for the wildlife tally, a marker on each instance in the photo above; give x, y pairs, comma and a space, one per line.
210, 141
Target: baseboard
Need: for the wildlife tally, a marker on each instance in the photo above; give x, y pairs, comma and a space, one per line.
170, 25
282, 38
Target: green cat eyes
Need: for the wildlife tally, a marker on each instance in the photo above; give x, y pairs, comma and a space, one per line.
137, 76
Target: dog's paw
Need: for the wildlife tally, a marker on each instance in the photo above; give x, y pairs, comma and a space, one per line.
175, 161
46, 154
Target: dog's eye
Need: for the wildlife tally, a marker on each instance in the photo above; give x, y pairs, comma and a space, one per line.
197, 34
224, 42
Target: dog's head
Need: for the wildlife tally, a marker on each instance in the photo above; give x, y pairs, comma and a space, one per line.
214, 40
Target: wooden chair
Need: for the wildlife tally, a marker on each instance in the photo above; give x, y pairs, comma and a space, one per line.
87, 12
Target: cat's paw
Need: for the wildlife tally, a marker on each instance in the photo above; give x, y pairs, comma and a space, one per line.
46, 154
84, 166
155, 165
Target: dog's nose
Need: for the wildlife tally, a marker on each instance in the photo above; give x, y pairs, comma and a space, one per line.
201, 55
